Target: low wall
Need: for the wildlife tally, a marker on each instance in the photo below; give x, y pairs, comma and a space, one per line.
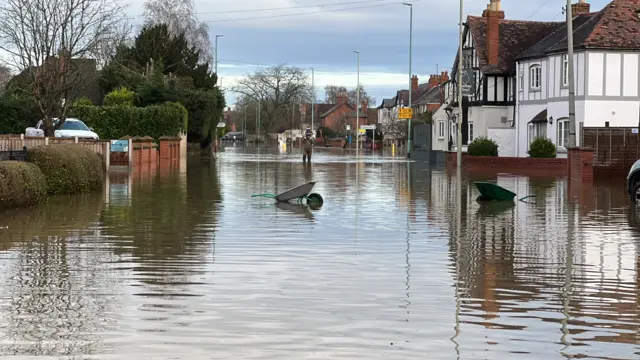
510, 164
147, 152
430, 156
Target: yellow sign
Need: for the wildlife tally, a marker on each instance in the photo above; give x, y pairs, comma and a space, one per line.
405, 113
362, 131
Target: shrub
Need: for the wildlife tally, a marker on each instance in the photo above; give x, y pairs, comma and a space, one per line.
120, 97
82, 101
114, 122
21, 184
17, 113
68, 168
542, 148
483, 146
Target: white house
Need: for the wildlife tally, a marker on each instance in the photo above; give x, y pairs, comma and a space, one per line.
606, 70
490, 45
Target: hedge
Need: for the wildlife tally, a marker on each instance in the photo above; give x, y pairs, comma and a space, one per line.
483, 146
68, 168
21, 184
542, 148
120, 97
114, 122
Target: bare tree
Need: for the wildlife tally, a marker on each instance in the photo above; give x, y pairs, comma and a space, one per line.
43, 38
180, 17
276, 89
331, 92
106, 50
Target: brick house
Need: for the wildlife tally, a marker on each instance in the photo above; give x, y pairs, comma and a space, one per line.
337, 116
431, 99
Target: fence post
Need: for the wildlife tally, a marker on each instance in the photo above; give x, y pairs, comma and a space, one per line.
107, 155
75, 139
46, 141
130, 148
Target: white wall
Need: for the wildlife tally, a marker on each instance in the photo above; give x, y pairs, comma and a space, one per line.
438, 144
506, 139
617, 113
613, 74
484, 117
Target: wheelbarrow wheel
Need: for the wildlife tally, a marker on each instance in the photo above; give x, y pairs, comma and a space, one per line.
315, 200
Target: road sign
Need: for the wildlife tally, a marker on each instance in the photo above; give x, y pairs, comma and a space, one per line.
405, 113
368, 127
362, 131
221, 124
120, 146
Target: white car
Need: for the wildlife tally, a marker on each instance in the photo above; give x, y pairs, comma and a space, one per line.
71, 128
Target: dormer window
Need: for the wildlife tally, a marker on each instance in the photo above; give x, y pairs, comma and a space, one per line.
535, 77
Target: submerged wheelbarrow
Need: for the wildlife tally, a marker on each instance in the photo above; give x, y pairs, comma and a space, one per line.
494, 192
300, 193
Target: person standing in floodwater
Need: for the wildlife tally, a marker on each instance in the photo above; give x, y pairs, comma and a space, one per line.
307, 146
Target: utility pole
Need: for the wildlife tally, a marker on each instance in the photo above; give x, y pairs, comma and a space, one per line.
572, 90
459, 127
410, 74
216, 54
358, 105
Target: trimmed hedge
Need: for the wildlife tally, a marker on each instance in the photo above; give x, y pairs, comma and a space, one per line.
21, 184
483, 146
68, 168
542, 148
114, 122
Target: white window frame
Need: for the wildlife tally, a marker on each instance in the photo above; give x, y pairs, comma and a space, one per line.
562, 133
470, 130
442, 129
521, 79
565, 70
536, 130
535, 77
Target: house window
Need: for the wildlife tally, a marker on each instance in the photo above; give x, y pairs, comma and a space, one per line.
442, 126
563, 133
565, 70
535, 77
521, 79
537, 130
470, 140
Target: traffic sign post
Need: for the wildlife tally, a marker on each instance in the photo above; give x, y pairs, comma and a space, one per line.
405, 113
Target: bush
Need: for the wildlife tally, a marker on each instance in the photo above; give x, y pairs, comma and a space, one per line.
483, 146
21, 184
114, 122
120, 97
542, 148
68, 168
82, 101
17, 113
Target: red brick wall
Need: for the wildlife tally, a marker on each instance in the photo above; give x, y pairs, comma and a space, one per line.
551, 166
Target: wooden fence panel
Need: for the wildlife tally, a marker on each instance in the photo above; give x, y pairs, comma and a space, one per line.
615, 149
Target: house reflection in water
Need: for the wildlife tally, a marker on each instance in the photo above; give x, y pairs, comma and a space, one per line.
557, 269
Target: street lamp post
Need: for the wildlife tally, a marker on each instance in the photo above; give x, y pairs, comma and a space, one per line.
410, 80
357, 103
313, 102
459, 122
570, 75
216, 55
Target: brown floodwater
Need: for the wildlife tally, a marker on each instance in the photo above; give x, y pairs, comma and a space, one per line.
181, 263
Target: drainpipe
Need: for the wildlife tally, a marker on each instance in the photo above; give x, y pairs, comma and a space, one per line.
516, 108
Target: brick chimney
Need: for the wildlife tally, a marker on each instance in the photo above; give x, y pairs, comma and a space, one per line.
364, 105
342, 98
582, 7
444, 77
494, 14
414, 83
434, 80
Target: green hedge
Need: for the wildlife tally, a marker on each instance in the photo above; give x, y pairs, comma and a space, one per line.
483, 146
114, 122
17, 113
542, 148
21, 184
68, 168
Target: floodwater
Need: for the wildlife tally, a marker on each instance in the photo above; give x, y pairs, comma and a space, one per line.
184, 264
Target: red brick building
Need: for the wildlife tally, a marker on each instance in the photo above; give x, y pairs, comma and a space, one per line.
337, 116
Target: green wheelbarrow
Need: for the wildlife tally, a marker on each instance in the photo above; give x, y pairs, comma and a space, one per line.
494, 192
300, 193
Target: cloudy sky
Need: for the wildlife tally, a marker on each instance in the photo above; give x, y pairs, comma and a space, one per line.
323, 34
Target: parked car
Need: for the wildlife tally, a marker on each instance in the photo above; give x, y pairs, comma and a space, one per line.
71, 128
234, 136
633, 182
